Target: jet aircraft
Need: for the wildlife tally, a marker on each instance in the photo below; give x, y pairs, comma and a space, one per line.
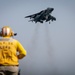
44, 15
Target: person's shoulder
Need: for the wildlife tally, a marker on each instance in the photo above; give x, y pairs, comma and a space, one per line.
15, 40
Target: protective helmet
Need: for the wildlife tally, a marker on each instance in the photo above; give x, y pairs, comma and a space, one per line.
6, 32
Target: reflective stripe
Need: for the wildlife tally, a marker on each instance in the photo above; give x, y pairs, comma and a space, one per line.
8, 31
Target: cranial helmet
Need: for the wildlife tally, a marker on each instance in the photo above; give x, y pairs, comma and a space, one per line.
6, 31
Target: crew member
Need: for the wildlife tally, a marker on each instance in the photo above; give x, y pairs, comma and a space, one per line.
11, 50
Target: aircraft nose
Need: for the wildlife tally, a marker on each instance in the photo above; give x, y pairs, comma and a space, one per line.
52, 9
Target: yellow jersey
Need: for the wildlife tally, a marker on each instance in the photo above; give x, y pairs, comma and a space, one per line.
11, 51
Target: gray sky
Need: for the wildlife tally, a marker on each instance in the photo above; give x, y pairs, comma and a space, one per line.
50, 47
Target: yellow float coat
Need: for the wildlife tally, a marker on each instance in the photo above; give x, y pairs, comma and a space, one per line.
11, 51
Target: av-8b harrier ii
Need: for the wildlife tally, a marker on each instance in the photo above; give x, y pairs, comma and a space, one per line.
44, 15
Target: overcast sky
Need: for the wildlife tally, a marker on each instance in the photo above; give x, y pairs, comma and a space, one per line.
50, 47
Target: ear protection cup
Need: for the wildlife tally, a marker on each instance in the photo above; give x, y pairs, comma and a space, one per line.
12, 33
1, 33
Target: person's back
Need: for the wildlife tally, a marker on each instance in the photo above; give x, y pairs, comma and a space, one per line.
10, 51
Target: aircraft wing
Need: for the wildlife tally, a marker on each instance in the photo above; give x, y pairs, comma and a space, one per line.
31, 16
53, 18
34, 15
